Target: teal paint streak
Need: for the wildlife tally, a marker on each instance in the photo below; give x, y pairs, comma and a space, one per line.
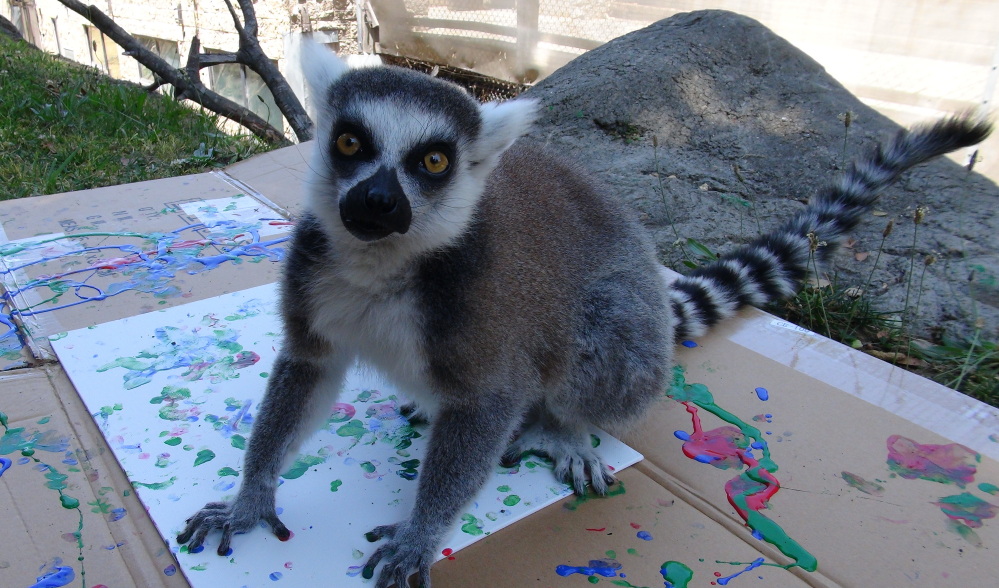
750, 491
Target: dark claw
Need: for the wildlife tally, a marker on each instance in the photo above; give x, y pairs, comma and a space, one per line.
223, 549
185, 536
368, 571
199, 539
380, 533
278, 528
411, 411
510, 460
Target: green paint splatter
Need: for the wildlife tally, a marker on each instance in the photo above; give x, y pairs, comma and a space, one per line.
172, 397
407, 469
863, 485
174, 441
610, 553
238, 441
335, 485
228, 471
472, 526
594, 440
44, 420
68, 501
511, 500
966, 508
503, 488
302, 465
616, 490
204, 456
676, 574
988, 488
100, 506
354, 428
156, 485
632, 551
107, 411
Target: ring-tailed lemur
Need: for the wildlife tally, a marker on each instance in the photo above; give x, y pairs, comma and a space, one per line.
512, 298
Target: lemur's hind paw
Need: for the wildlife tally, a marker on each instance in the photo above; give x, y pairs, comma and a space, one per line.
575, 461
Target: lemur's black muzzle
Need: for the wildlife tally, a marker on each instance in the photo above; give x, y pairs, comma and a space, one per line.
376, 207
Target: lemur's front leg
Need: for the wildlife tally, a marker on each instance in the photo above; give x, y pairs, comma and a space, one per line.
464, 447
300, 392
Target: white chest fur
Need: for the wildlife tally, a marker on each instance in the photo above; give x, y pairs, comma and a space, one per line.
380, 327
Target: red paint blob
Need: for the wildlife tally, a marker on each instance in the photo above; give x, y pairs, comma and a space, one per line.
447, 553
600, 530
635, 526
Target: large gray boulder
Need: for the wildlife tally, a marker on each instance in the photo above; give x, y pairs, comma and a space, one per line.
747, 127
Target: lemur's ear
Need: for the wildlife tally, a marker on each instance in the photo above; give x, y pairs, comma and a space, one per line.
320, 65
502, 124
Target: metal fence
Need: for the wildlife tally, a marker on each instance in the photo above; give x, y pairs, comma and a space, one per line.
515, 40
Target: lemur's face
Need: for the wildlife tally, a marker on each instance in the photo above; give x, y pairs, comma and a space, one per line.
399, 147
402, 157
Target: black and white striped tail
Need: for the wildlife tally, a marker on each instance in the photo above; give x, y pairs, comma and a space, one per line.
773, 266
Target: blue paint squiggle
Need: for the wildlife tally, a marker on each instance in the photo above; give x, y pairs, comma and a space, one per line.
148, 268
752, 566
58, 576
597, 567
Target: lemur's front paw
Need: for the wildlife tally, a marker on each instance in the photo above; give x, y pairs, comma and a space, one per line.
575, 461
405, 551
237, 517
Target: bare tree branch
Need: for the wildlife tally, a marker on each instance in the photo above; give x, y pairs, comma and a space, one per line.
187, 80
251, 55
235, 19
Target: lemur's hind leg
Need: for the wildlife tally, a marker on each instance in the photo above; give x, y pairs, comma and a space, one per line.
622, 357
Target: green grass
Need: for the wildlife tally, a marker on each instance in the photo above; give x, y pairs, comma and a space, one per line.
970, 365
67, 127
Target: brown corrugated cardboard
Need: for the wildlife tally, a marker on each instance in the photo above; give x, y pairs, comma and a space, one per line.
67, 505
840, 499
836, 416
64, 256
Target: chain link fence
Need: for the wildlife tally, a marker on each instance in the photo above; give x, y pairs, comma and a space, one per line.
514, 40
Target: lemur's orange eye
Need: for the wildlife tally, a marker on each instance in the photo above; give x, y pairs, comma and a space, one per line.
436, 162
348, 144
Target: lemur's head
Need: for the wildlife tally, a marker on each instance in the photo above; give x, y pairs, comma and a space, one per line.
401, 157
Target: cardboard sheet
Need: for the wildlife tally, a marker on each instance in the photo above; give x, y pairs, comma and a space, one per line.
143, 248
174, 393
877, 499
886, 479
69, 516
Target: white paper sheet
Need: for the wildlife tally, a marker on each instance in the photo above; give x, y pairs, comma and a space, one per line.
175, 393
